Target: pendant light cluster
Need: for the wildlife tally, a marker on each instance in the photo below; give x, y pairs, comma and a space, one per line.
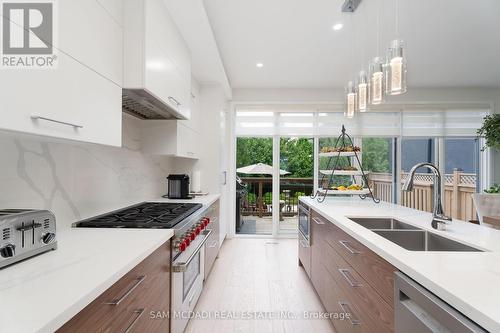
385, 76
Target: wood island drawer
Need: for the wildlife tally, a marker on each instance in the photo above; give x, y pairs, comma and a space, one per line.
375, 270
127, 305
370, 313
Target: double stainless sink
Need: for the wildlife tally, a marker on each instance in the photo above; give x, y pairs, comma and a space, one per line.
410, 237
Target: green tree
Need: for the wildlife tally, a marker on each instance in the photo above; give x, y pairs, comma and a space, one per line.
297, 156
253, 150
377, 154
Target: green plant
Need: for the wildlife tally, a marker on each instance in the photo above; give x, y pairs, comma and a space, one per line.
268, 198
491, 131
495, 189
251, 198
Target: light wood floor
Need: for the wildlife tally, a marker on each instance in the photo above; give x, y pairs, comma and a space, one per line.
263, 276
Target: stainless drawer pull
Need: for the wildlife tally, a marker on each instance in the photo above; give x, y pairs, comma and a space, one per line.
35, 117
303, 243
214, 244
174, 100
346, 273
138, 313
347, 310
117, 301
347, 245
318, 221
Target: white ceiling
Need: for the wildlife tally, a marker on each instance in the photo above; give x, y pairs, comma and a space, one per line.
451, 43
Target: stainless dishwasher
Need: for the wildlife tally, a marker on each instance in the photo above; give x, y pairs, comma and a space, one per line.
417, 310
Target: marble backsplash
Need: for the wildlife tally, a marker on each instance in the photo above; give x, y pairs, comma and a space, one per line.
76, 180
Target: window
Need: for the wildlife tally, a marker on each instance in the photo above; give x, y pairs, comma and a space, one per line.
461, 159
378, 160
414, 151
390, 140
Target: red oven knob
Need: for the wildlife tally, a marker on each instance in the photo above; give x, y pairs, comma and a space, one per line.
206, 221
192, 236
197, 231
182, 246
187, 240
201, 225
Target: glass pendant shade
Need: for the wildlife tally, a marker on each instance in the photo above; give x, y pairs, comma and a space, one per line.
351, 100
396, 68
363, 92
377, 82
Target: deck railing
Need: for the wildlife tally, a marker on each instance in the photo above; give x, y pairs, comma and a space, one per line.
457, 201
258, 199
458, 187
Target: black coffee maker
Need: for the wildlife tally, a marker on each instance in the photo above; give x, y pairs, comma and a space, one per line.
178, 187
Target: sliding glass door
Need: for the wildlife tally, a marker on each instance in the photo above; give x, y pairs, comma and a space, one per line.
254, 186
296, 179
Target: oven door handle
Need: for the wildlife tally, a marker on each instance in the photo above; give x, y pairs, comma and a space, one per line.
182, 266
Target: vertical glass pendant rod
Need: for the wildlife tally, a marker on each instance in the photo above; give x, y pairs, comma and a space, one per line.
396, 66
376, 70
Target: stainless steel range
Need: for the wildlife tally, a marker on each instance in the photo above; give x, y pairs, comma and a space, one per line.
25, 233
191, 230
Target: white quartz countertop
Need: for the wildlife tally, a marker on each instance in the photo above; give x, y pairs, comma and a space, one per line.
469, 281
44, 292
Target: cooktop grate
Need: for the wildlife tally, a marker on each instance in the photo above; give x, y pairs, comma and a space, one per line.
146, 215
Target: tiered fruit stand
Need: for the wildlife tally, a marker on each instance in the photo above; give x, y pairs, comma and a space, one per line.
344, 147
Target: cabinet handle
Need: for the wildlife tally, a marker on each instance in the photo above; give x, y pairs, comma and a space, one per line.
174, 100
318, 221
348, 247
190, 153
35, 117
346, 273
347, 309
117, 301
138, 313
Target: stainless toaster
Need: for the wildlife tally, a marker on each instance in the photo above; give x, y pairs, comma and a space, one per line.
25, 233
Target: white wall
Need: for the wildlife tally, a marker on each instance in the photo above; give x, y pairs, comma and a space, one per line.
76, 180
436, 95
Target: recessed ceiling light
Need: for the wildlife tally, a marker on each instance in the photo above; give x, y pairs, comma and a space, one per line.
259, 65
338, 26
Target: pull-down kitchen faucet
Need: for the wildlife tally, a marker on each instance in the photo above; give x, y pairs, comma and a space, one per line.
439, 220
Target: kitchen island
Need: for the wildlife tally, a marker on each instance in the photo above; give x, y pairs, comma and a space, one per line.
468, 281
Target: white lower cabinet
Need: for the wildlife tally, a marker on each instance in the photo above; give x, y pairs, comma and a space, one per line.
70, 102
169, 137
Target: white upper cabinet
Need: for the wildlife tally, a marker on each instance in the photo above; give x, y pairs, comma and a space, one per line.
167, 137
80, 99
156, 58
114, 8
70, 102
194, 121
88, 32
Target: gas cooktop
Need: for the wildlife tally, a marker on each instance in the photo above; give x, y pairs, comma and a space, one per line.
154, 215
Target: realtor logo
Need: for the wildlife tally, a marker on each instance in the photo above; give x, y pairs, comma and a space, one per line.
28, 34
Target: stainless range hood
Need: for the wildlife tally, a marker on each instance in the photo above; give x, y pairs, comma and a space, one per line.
144, 105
